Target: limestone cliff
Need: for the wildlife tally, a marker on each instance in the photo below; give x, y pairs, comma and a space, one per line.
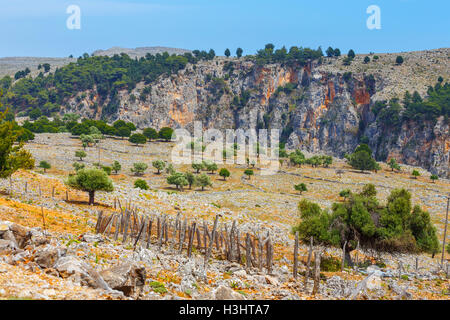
318, 108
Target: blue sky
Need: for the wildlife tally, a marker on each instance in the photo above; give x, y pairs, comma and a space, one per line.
38, 28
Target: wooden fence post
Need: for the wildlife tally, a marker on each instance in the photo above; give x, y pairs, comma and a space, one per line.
161, 233
248, 257
149, 235
343, 256
308, 264
191, 239
139, 234
238, 246
26, 187
182, 235
116, 233
43, 217
99, 221
233, 226
260, 253
211, 242
125, 228
295, 271
269, 256
316, 273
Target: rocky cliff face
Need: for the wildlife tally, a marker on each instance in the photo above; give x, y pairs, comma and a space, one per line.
317, 110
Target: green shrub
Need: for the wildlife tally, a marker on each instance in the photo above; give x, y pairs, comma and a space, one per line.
158, 287
141, 184
394, 227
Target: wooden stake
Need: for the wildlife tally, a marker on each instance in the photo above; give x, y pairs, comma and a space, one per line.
308, 264
116, 233
343, 256
238, 246
139, 234
125, 228
43, 217
295, 271
248, 257
149, 235
316, 273
260, 253
99, 221
213, 233
269, 255
183, 235
191, 238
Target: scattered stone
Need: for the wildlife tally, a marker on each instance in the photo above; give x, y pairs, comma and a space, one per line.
224, 293
128, 277
80, 272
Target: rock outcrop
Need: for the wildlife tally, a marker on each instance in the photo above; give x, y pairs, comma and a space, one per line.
318, 107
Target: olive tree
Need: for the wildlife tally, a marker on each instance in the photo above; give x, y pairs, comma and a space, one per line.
139, 168
159, 165
90, 181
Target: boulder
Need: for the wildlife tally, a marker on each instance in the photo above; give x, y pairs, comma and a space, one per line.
9, 236
80, 272
225, 293
272, 280
37, 237
46, 257
373, 282
91, 238
21, 234
128, 277
7, 246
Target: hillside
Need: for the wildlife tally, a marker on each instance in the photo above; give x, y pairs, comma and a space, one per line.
319, 104
64, 258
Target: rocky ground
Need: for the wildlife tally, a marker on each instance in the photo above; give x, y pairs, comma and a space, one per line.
68, 261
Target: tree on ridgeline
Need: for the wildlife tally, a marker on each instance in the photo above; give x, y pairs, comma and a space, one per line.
239, 52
